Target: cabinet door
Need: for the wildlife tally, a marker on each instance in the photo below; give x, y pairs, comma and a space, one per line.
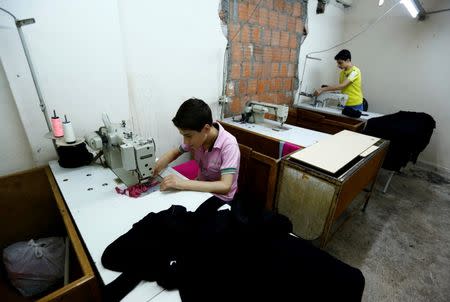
306, 200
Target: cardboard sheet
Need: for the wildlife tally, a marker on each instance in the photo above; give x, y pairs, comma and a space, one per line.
333, 153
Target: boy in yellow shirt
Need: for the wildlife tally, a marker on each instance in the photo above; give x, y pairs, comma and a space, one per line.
349, 81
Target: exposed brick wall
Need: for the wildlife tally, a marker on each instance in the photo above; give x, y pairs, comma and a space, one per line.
264, 49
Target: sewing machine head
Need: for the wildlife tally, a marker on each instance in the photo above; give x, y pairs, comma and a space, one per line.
131, 157
259, 109
325, 97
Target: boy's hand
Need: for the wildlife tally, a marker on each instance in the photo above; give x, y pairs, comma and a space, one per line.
318, 91
172, 182
159, 166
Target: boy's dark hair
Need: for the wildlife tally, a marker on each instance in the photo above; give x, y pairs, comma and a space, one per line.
193, 114
343, 55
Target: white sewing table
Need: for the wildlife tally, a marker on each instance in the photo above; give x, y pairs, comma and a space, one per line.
295, 135
102, 215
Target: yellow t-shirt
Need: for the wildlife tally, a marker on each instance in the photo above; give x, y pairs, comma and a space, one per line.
353, 90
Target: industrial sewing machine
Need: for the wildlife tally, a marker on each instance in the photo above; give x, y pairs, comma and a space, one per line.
325, 97
255, 111
130, 157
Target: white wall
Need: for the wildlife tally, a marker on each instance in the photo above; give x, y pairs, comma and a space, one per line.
325, 30
76, 49
405, 66
15, 152
173, 51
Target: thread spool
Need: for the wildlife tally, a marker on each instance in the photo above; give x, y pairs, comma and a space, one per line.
69, 134
57, 126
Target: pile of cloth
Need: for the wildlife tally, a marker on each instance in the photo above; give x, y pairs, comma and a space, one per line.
227, 255
408, 132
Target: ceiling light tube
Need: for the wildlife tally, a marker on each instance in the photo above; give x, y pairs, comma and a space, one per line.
380, 2
411, 7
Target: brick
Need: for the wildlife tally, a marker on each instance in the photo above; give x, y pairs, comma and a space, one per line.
257, 70
253, 14
282, 21
245, 34
258, 53
283, 70
279, 84
287, 84
255, 35
291, 70
246, 69
275, 41
291, 24
263, 17
285, 55
293, 41
276, 54
278, 5
242, 87
267, 36
235, 71
267, 55
230, 89
288, 7
273, 19
275, 69
243, 11
235, 106
293, 56
248, 52
236, 52
260, 87
233, 29
273, 85
297, 10
267, 71
251, 89
284, 39
298, 26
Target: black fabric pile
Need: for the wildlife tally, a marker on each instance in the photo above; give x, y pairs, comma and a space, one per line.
408, 132
212, 255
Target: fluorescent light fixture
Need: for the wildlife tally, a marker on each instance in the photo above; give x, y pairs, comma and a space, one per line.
411, 7
380, 3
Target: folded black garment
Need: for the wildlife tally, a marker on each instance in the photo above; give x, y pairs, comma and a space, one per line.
212, 255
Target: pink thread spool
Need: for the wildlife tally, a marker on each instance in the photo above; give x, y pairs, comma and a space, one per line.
57, 126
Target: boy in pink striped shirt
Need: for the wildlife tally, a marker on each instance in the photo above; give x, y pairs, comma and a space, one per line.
215, 150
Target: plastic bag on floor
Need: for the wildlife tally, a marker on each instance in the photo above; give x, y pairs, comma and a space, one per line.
35, 266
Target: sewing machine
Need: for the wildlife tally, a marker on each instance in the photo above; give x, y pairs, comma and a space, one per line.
325, 97
130, 157
256, 111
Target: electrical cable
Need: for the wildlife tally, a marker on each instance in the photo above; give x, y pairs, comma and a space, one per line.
437, 11
346, 41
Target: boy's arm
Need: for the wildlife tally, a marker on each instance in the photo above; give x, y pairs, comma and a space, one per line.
222, 186
341, 86
165, 160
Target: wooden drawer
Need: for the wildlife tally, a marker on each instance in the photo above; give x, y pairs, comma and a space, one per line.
323, 122
32, 207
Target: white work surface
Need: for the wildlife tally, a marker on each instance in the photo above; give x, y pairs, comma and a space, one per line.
102, 215
295, 135
337, 111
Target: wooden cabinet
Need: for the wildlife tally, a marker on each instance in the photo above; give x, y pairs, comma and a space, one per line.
323, 122
259, 176
32, 207
314, 200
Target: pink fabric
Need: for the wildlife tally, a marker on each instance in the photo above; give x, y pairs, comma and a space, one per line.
137, 189
289, 148
188, 169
